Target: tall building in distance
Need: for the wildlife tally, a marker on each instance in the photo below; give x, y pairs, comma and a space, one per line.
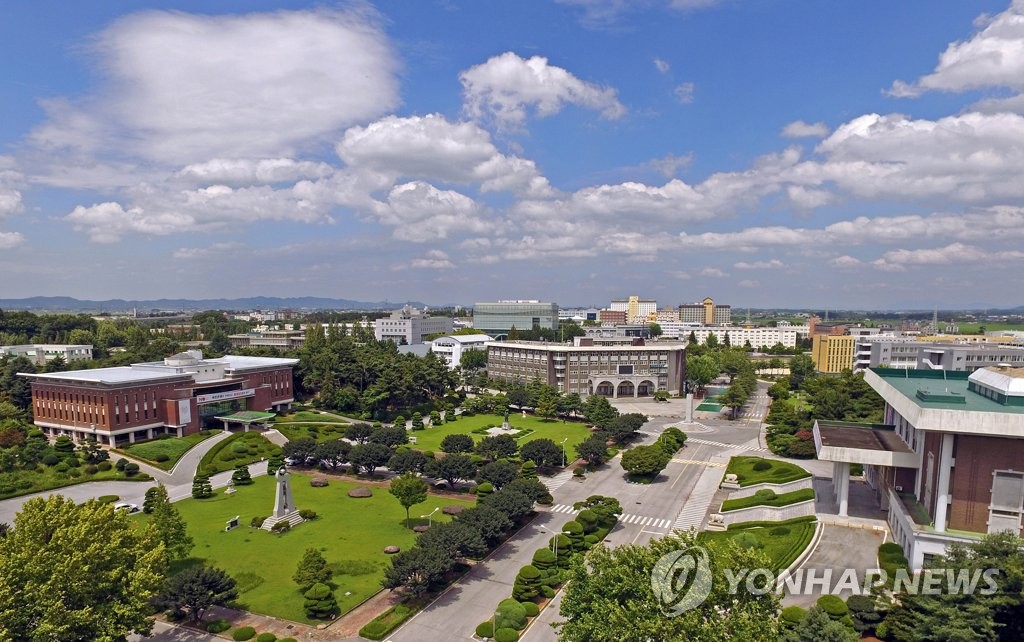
637, 310
705, 313
409, 325
497, 318
833, 353
40, 354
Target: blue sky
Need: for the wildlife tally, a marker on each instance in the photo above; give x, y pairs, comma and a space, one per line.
790, 153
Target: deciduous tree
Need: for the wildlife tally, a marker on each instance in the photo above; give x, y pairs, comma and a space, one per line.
409, 490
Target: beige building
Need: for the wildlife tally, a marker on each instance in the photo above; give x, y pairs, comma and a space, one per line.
609, 370
637, 310
705, 313
833, 353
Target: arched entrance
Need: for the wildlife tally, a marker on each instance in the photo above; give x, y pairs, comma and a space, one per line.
645, 389
605, 389
626, 389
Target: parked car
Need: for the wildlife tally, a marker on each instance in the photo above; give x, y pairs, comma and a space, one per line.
125, 506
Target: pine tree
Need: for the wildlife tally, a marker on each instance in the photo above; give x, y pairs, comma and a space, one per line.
312, 568
170, 525
201, 487
320, 602
241, 476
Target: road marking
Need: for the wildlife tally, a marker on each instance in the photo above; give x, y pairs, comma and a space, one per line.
697, 462
556, 482
625, 518
723, 445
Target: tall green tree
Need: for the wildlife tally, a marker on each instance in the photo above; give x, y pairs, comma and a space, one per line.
77, 573
409, 489
819, 627
700, 371
312, 568
170, 525
193, 591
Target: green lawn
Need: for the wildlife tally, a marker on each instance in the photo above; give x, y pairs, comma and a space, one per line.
152, 451
240, 448
785, 499
318, 432
779, 472
576, 432
351, 534
24, 482
781, 542
306, 415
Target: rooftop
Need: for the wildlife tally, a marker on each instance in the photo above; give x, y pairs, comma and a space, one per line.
843, 434
943, 390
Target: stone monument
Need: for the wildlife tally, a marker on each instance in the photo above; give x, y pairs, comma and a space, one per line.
504, 424
284, 503
689, 408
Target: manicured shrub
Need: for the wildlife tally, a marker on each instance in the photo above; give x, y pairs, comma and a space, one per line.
307, 514
765, 494
762, 465
574, 531
74, 472
281, 527
793, 615
108, 499
243, 633
890, 548
121, 463
779, 531
257, 521
320, 602
527, 583
833, 605
218, 626
485, 629
590, 540
506, 635
62, 467
51, 459
72, 461
104, 465
161, 457
91, 469
532, 610
588, 520
511, 614
131, 469
547, 592
266, 637
484, 489
748, 541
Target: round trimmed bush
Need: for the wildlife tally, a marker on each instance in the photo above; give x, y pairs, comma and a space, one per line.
833, 605
506, 635
104, 465
511, 614
91, 469
793, 615
161, 457
765, 494
107, 499
218, 626
62, 467
266, 637
307, 514
762, 465
485, 629
51, 459
588, 520
131, 469
73, 461
532, 610
240, 448
74, 472
547, 591
257, 521
243, 633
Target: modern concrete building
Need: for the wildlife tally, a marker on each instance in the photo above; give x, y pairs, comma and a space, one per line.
121, 404
948, 465
706, 313
409, 325
282, 339
40, 353
894, 351
833, 353
635, 370
497, 318
637, 310
451, 348
758, 336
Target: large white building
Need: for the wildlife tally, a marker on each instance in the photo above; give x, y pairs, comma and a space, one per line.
759, 337
903, 352
39, 354
637, 310
409, 325
452, 347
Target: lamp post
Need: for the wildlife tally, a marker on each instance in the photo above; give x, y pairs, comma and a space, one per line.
429, 516
554, 543
562, 444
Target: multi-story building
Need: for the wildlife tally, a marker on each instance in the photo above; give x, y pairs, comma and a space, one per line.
451, 348
497, 318
636, 309
635, 370
121, 404
895, 351
668, 315
39, 354
947, 464
833, 353
578, 315
705, 313
758, 336
612, 317
281, 339
409, 325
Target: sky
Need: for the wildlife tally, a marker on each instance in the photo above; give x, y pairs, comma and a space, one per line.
766, 153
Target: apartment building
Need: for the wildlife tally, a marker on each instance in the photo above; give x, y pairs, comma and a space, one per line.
706, 312
833, 353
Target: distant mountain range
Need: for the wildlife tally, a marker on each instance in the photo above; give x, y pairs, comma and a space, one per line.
70, 304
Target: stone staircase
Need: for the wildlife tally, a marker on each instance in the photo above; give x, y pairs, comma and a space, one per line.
293, 518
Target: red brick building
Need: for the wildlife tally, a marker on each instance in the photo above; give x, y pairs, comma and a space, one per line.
128, 403
948, 466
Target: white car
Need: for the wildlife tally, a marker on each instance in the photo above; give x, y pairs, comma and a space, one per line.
125, 506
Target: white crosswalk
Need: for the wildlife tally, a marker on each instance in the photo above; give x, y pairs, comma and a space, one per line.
556, 482
625, 518
696, 505
693, 440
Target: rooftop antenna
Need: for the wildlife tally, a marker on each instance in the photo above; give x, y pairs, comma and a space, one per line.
935, 320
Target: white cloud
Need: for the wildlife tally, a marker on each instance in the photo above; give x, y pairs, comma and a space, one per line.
684, 93
661, 65
108, 222
846, 261
9, 240
433, 260
992, 57
217, 250
800, 129
10, 202
420, 212
190, 87
505, 86
1013, 105
713, 272
682, 275
805, 198
759, 265
955, 253
236, 171
747, 283
668, 166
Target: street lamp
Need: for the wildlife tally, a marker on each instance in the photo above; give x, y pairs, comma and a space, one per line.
429, 516
563, 451
554, 543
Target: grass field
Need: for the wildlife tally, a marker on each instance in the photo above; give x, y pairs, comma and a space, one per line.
975, 328
574, 432
782, 542
174, 449
306, 415
240, 448
350, 533
779, 472
318, 432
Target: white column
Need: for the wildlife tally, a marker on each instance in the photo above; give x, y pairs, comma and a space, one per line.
835, 481
131, 437
844, 488
149, 433
942, 492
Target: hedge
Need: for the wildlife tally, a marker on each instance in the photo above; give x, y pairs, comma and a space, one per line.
266, 637
218, 626
766, 523
244, 633
386, 622
785, 499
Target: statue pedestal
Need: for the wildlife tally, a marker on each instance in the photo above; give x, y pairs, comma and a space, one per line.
293, 518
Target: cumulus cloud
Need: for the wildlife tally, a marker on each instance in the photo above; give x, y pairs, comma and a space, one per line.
190, 87
992, 57
236, 171
684, 92
504, 87
420, 212
713, 272
759, 265
747, 283
800, 129
433, 260
9, 240
10, 202
661, 65
668, 166
955, 253
846, 261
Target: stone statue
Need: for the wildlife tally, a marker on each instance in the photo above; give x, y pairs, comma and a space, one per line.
284, 503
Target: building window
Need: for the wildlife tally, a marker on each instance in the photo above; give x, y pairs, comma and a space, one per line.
1007, 501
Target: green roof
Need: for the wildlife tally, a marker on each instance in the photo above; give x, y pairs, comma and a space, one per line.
941, 390
247, 416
